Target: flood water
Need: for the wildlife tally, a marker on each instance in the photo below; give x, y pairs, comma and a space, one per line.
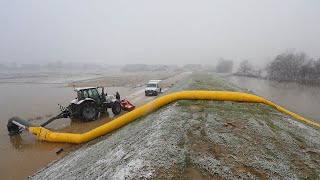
23, 154
35, 97
298, 98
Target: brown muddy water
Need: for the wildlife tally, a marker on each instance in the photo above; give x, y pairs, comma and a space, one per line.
23, 154
298, 98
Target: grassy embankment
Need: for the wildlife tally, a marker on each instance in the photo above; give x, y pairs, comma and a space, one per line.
249, 137
200, 139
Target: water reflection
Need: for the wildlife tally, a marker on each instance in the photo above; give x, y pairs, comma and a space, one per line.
301, 99
26, 141
16, 141
21, 142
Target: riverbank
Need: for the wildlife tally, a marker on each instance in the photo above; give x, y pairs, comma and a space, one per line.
301, 99
302, 82
199, 139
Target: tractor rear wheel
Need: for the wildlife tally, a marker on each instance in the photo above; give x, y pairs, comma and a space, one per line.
89, 111
116, 108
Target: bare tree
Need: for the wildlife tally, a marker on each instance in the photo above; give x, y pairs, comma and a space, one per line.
245, 68
316, 71
292, 66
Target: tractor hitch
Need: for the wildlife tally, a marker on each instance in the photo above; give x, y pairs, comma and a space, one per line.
64, 114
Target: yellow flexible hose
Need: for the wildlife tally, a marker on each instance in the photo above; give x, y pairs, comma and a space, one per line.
45, 134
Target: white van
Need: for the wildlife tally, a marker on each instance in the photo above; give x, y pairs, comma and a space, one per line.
153, 88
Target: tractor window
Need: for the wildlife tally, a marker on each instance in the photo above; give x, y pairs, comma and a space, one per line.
99, 90
93, 93
85, 94
80, 95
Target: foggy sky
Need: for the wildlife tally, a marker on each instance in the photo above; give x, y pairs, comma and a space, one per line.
156, 32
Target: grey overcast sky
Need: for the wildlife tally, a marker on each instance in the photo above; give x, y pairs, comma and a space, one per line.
149, 31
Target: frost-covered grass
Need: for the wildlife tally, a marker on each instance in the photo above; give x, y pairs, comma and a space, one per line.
200, 139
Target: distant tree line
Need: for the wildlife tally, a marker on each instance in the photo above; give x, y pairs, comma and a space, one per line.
54, 66
287, 66
293, 66
144, 67
192, 67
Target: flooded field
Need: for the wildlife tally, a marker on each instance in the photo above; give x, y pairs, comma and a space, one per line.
36, 102
298, 98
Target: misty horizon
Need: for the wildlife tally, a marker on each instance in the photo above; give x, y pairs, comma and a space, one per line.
156, 32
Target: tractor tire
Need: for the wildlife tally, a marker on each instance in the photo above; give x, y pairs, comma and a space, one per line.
116, 108
89, 111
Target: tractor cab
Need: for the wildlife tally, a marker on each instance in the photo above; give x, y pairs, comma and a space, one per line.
95, 93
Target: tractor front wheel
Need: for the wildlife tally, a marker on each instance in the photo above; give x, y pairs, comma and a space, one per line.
89, 111
116, 108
